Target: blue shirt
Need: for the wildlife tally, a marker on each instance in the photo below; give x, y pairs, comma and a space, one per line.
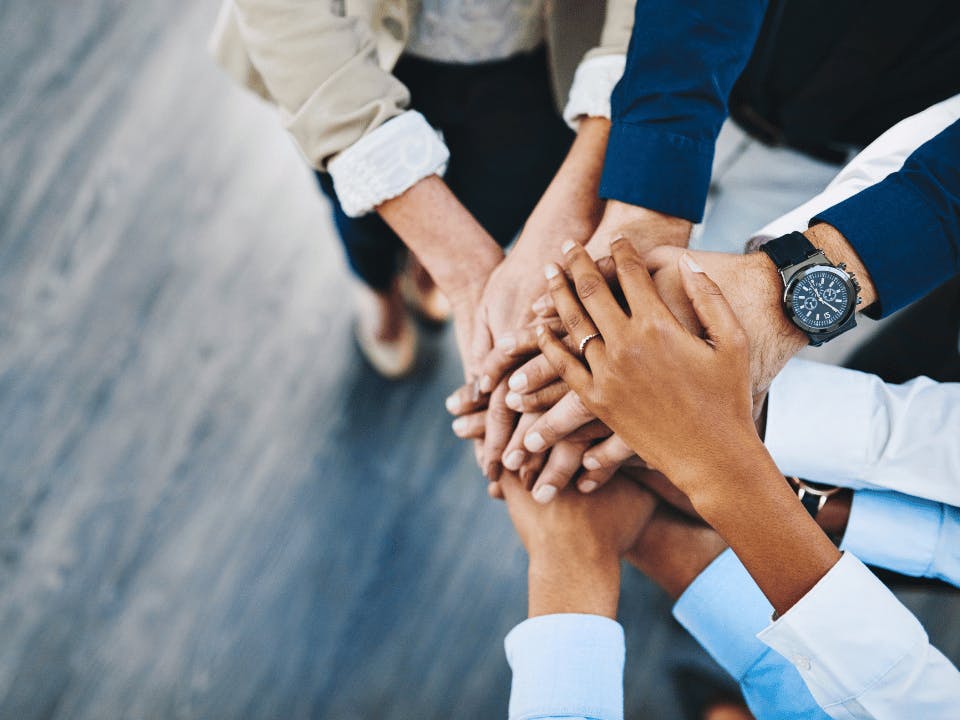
667, 109
906, 228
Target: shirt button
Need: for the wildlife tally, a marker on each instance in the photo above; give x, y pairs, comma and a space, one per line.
802, 662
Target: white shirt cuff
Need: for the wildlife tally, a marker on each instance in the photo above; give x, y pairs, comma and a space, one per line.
592, 84
386, 162
819, 436
846, 634
894, 531
566, 665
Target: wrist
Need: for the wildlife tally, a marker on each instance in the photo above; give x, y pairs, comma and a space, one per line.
645, 228
715, 478
568, 583
835, 246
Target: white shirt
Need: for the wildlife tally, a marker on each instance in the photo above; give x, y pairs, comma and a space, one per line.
473, 31
844, 427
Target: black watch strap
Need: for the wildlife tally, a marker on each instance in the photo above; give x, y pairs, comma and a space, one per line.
791, 249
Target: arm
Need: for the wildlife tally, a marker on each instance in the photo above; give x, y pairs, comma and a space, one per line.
921, 202
895, 437
682, 62
684, 404
720, 605
905, 534
567, 659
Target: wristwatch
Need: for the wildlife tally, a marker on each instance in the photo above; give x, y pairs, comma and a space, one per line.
813, 496
819, 297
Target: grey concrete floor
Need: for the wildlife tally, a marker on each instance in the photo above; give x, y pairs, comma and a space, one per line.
209, 506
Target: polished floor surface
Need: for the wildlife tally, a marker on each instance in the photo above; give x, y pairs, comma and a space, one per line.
209, 506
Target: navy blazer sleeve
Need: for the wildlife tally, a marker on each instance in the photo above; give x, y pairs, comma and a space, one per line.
667, 109
906, 228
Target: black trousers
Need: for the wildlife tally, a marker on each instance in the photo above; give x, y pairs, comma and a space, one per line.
506, 142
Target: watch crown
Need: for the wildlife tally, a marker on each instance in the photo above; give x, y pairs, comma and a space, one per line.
859, 301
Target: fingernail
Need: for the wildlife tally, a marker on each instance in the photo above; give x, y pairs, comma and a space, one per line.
544, 494
453, 404
539, 306
534, 442
691, 263
459, 426
617, 239
591, 463
486, 384
514, 460
508, 343
514, 402
550, 271
518, 381
587, 486
540, 329
567, 246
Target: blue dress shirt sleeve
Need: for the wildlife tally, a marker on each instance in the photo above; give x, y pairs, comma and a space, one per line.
904, 533
566, 666
723, 609
667, 109
906, 228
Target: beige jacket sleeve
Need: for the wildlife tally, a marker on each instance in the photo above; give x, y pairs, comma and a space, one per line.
323, 70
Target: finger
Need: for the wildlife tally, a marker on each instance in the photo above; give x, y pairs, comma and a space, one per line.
500, 423
590, 480
495, 491
470, 426
592, 289
543, 306
508, 352
562, 464
559, 421
465, 399
575, 318
515, 454
533, 375
530, 470
635, 280
592, 431
670, 289
719, 321
541, 399
611, 453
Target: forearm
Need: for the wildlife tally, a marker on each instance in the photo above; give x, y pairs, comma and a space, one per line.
457, 252
750, 505
571, 201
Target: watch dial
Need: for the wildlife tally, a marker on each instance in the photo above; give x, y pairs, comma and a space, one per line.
820, 300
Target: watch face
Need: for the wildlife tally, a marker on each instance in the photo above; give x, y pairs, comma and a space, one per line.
820, 298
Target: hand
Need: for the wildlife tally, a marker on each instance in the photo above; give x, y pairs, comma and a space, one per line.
575, 543
681, 402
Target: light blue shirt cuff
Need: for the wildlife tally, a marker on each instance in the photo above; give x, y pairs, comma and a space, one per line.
566, 665
893, 531
723, 609
946, 558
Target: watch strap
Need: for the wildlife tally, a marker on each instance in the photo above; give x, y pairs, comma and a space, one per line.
790, 249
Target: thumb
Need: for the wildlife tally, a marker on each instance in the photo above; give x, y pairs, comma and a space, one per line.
716, 316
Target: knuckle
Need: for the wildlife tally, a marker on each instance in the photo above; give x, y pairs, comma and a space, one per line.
573, 321
588, 285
